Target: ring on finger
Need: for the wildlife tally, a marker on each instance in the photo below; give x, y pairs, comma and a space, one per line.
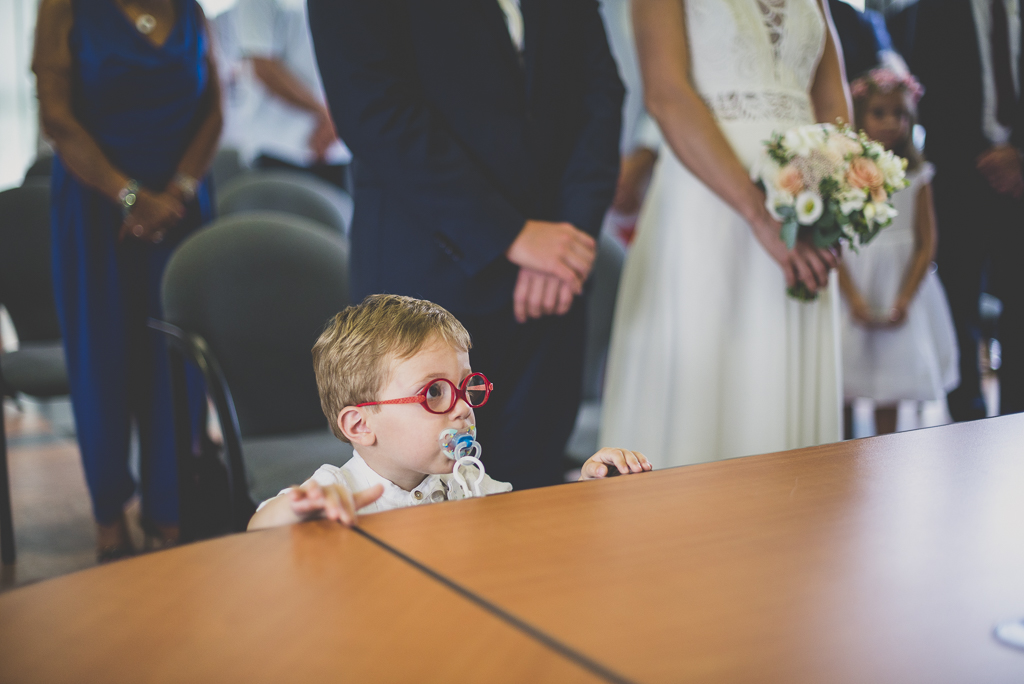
137, 230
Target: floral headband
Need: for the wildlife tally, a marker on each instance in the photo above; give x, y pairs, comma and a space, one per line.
886, 81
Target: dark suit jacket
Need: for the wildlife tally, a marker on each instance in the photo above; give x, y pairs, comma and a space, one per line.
457, 142
945, 57
858, 36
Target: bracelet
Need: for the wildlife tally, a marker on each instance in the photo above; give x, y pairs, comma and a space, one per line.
128, 195
187, 184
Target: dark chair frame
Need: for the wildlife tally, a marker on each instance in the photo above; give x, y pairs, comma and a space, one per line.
182, 347
6, 516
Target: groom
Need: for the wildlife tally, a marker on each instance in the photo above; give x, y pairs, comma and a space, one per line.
485, 136
967, 54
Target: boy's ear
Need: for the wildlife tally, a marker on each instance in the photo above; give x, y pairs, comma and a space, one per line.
352, 423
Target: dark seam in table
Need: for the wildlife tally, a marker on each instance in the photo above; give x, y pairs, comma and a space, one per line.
531, 631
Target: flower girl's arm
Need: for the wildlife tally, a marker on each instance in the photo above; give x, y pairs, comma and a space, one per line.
925, 242
829, 92
859, 308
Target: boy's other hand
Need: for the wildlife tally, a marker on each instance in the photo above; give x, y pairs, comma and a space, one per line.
334, 502
624, 461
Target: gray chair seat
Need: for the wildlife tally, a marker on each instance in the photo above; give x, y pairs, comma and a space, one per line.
275, 462
37, 369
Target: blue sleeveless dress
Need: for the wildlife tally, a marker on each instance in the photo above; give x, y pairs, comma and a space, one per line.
142, 104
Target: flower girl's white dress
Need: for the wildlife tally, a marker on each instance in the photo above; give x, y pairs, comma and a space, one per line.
709, 357
918, 360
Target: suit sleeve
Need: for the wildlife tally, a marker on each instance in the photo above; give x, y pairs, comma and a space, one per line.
390, 127
588, 183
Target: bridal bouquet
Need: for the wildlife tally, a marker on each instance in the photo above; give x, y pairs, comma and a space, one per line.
828, 184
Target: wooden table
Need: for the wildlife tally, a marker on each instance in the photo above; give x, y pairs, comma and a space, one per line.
311, 603
880, 560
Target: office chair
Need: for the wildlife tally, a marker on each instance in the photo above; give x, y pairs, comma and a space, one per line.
37, 369
244, 300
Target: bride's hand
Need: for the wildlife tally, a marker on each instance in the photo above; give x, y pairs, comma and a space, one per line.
804, 263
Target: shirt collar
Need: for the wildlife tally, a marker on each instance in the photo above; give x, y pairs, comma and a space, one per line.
431, 490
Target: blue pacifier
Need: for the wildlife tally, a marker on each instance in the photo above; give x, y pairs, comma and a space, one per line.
461, 446
459, 443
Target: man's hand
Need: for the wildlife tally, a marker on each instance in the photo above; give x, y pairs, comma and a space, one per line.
623, 460
557, 249
1001, 167
333, 502
539, 294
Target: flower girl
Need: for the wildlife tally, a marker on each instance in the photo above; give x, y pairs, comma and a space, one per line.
898, 337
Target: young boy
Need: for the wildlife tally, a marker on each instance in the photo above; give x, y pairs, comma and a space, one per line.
394, 376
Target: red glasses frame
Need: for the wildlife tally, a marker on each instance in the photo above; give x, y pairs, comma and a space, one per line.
457, 393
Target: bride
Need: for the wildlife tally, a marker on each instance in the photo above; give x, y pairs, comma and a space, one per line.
710, 358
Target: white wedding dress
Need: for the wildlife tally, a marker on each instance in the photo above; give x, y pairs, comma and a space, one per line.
709, 357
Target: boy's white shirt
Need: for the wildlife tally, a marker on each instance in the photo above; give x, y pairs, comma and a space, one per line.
357, 475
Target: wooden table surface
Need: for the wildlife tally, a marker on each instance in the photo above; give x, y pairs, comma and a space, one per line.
880, 560
310, 603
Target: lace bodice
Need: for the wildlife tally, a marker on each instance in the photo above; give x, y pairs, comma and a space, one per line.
755, 59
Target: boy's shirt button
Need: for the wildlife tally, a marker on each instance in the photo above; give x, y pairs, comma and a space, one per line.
418, 494
437, 495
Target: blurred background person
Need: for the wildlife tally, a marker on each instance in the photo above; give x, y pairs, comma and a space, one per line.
898, 337
967, 55
640, 136
710, 358
862, 35
285, 123
128, 94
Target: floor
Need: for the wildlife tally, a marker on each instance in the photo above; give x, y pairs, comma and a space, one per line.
53, 528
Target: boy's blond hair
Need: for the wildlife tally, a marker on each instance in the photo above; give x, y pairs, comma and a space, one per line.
353, 357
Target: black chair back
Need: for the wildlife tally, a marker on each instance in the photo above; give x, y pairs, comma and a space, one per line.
26, 284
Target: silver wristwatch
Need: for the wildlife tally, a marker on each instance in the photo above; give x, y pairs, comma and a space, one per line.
129, 193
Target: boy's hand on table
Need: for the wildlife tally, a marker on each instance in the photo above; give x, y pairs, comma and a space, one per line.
333, 502
622, 461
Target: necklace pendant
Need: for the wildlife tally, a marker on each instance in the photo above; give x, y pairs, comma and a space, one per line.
145, 24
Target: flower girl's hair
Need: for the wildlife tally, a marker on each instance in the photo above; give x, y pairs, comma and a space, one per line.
885, 80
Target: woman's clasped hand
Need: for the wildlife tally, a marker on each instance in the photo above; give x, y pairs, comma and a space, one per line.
805, 263
152, 216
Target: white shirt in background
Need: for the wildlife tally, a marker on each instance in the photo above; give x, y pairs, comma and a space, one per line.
279, 29
514, 21
996, 133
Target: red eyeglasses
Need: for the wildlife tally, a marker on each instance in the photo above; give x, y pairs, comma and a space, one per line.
441, 395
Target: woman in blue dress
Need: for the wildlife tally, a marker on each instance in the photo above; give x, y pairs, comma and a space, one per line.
129, 96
